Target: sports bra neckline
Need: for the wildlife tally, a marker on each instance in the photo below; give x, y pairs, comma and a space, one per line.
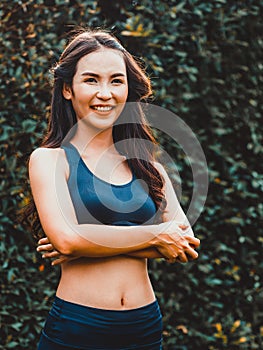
69, 144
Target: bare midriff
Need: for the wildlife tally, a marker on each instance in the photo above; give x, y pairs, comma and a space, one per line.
115, 283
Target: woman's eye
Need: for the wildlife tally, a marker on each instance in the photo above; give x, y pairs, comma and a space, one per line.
90, 80
117, 81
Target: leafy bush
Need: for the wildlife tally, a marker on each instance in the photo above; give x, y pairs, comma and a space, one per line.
205, 60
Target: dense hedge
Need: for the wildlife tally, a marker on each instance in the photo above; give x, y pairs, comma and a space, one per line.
205, 60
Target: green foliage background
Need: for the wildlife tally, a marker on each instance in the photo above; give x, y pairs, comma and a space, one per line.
205, 60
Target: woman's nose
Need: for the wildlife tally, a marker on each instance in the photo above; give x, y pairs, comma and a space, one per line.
104, 92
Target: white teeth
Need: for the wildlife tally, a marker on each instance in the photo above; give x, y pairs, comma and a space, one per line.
102, 109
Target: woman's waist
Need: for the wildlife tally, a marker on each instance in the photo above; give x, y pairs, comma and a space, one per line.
106, 286
107, 296
118, 268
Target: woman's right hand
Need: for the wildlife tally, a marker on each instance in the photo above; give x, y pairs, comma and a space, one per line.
49, 252
174, 244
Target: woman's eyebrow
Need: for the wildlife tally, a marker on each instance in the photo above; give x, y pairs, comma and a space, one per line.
97, 75
117, 75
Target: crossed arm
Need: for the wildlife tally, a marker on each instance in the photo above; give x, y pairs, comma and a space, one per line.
66, 239
50, 252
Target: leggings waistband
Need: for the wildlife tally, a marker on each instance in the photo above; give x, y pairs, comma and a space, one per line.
82, 311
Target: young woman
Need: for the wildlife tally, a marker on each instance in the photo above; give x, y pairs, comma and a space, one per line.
104, 204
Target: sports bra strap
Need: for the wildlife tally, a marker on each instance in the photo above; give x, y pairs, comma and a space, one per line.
73, 158
71, 154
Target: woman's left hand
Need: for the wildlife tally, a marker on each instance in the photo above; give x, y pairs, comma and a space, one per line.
50, 252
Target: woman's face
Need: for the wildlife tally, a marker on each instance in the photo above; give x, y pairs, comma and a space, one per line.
99, 89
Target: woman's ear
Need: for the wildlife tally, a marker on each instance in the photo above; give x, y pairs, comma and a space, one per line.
67, 93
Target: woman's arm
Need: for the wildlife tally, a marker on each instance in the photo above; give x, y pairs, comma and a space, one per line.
173, 212
50, 253
48, 178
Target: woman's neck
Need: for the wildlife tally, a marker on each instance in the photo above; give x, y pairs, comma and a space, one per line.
94, 141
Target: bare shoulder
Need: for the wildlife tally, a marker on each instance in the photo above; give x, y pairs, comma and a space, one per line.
45, 152
43, 158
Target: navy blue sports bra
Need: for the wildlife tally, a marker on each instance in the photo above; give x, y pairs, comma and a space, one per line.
99, 202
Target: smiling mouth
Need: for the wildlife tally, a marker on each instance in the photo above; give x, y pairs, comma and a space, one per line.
102, 108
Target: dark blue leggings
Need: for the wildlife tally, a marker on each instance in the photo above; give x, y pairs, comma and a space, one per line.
73, 326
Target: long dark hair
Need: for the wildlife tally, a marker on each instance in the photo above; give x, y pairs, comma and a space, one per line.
63, 117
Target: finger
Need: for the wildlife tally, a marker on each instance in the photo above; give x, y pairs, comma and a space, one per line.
57, 261
43, 240
193, 241
45, 247
53, 254
182, 257
167, 253
192, 254
60, 260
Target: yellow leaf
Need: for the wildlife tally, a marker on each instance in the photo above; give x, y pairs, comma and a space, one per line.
242, 340
166, 333
9, 338
41, 268
182, 328
30, 28
31, 36
140, 28
218, 327
236, 324
132, 33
